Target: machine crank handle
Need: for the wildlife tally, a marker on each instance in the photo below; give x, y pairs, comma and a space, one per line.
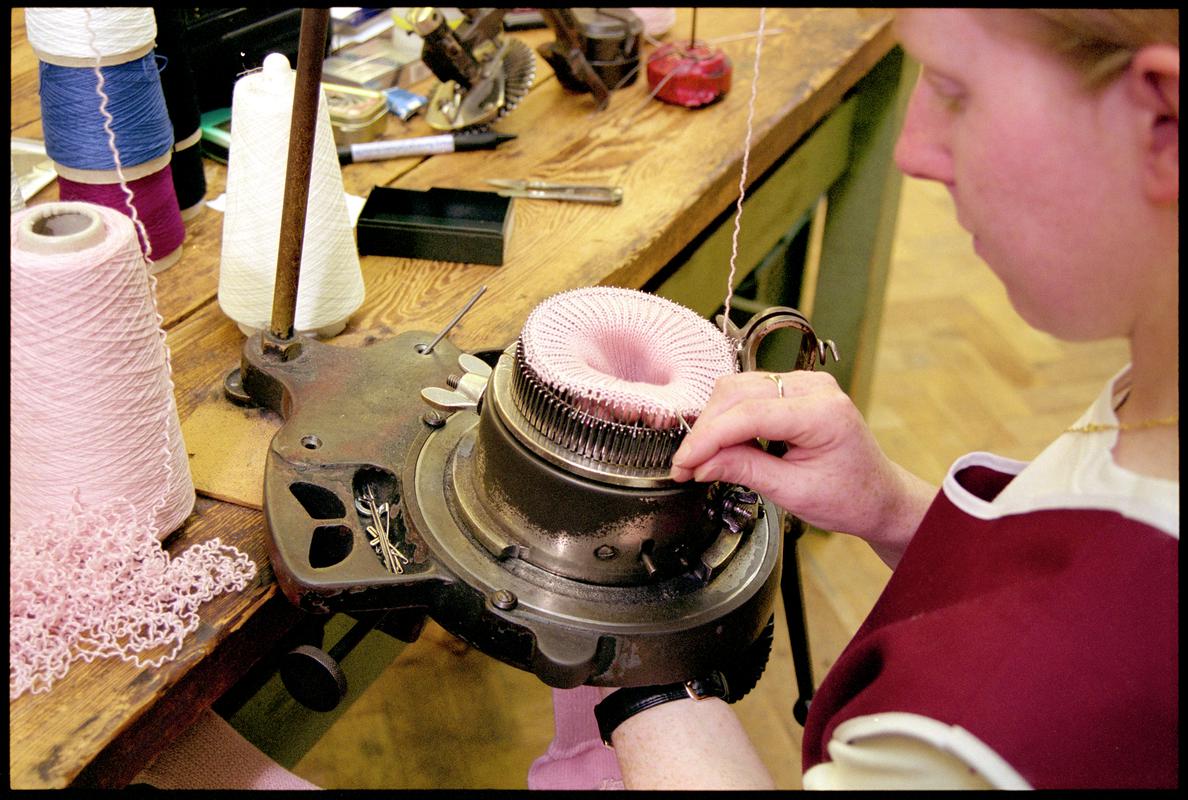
748, 339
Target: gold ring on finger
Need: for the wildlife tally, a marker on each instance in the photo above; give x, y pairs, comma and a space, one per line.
779, 382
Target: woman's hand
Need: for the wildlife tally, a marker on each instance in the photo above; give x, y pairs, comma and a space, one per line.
833, 476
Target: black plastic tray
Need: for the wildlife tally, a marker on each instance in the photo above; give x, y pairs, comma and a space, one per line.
438, 224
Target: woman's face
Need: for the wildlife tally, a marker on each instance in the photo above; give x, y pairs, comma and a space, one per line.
1041, 171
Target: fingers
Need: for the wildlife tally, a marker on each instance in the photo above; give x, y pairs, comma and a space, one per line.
745, 466
808, 420
740, 424
740, 386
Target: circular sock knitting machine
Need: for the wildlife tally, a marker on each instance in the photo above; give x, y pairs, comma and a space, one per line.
531, 517
520, 497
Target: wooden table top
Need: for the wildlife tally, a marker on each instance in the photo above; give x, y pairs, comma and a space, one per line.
679, 170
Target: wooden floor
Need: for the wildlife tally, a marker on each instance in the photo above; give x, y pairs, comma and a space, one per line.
957, 371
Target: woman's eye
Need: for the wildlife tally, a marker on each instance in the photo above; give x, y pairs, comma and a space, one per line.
948, 93
952, 102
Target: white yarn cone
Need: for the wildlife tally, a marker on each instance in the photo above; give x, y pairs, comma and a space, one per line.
60, 35
331, 285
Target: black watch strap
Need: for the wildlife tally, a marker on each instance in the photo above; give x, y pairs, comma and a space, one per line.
623, 704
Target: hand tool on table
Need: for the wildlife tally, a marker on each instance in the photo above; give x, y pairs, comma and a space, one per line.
542, 190
483, 74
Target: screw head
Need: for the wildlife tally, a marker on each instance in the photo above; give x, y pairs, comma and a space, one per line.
605, 553
433, 419
504, 599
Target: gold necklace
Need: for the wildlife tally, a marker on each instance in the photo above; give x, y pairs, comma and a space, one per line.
1097, 427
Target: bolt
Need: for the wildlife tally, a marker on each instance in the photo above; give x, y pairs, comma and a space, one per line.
605, 553
504, 599
433, 419
739, 510
648, 563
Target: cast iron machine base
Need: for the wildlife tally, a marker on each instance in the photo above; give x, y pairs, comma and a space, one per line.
665, 580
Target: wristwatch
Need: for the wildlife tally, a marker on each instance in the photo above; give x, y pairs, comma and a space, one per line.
622, 704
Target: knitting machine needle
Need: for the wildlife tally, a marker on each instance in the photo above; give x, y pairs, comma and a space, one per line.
427, 349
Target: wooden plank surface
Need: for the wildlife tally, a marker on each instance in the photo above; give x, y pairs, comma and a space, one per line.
678, 169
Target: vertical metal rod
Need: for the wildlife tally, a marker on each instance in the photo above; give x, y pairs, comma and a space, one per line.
306, 94
792, 592
693, 31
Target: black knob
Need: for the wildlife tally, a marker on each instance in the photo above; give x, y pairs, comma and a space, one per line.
313, 678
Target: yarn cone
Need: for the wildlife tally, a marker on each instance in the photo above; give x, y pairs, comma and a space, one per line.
331, 284
93, 415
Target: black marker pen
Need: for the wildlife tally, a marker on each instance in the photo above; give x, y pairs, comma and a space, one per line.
421, 146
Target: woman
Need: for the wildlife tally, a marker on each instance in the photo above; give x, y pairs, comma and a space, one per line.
1028, 636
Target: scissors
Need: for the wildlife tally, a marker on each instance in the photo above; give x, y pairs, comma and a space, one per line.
540, 190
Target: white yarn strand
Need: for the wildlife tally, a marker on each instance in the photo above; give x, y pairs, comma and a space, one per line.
742, 177
172, 446
331, 286
108, 121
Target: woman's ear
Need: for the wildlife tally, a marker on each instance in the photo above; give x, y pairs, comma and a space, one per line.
1154, 83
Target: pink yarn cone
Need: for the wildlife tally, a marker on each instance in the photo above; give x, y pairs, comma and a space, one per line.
99, 472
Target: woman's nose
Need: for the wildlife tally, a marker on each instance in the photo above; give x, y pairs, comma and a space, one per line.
922, 150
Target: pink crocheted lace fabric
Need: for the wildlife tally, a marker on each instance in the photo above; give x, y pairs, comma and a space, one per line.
96, 582
626, 355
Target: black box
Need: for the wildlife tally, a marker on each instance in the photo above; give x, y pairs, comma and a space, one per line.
437, 224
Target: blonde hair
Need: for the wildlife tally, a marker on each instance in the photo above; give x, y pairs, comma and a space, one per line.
1096, 42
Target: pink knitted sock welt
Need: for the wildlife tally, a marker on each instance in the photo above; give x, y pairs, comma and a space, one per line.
576, 758
210, 754
625, 355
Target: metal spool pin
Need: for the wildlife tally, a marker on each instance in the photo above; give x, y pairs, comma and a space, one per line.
307, 92
304, 676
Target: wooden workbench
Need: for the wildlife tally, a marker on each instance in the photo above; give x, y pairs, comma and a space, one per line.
830, 95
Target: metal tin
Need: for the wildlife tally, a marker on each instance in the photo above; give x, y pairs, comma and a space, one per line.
356, 115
